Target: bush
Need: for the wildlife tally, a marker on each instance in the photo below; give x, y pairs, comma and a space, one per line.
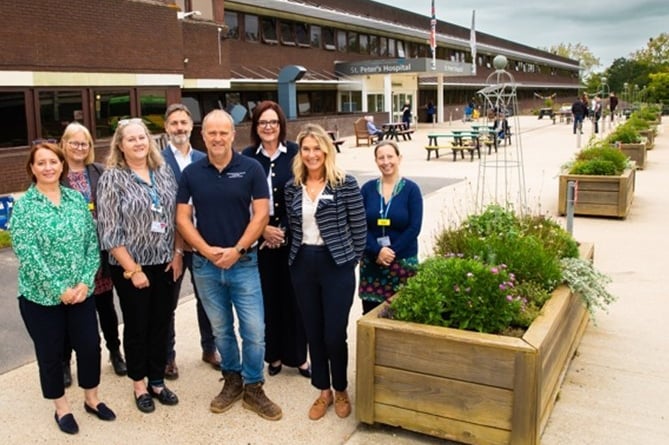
5, 240
599, 159
625, 134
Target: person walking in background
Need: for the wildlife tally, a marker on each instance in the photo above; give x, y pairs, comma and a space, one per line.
83, 175
613, 104
53, 237
228, 192
327, 225
136, 206
430, 112
596, 112
394, 209
406, 115
178, 155
285, 340
580, 110
372, 129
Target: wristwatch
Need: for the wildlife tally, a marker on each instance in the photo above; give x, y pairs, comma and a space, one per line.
129, 273
241, 250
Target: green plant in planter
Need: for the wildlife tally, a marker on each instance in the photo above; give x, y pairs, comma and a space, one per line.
493, 273
583, 279
625, 134
5, 240
600, 158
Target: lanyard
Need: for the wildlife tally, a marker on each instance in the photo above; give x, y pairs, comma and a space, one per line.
153, 194
385, 208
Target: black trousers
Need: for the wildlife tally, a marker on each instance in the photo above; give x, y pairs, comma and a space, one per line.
324, 293
49, 327
285, 339
206, 335
146, 316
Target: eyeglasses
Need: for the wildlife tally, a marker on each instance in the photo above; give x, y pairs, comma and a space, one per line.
44, 141
134, 120
272, 123
79, 145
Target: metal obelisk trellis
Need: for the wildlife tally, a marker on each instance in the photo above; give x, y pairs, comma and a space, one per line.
501, 175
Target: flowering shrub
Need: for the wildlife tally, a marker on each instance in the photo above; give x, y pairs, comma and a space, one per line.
494, 272
460, 293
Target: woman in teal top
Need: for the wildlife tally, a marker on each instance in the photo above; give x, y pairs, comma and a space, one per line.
53, 236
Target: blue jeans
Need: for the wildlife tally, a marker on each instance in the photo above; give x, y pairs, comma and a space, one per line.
238, 287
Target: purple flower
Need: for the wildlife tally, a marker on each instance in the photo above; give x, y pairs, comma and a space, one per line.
509, 298
494, 270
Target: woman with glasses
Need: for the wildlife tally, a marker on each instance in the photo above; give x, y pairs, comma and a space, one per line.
53, 236
285, 340
83, 175
136, 207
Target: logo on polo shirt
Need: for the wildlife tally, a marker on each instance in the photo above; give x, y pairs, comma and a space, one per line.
236, 175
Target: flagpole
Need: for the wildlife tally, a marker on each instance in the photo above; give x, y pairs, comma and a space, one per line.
433, 37
472, 42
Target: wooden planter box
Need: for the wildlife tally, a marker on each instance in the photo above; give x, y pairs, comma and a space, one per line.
599, 195
650, 137
466, 386
636, 152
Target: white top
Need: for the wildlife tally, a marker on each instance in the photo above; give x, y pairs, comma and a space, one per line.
182, 161
270, 173
310, 233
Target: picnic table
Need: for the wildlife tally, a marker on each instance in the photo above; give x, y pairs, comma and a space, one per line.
393, 130
462, 140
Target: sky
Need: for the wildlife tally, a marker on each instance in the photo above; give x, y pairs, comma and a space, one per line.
609, 28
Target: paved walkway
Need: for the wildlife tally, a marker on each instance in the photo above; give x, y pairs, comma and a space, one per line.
615, 391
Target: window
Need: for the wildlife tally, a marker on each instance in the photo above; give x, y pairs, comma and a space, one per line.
315, 36
383, 47
374, 45
351, 101
352, 40
329, 39
287, 33
14, 128
269, 30
57, 109
251, 28
302, 34
391, 48
232, 23
205, 7
341, 41
303, 104
152, 106
110, 107
363, 42
400, 49
375, 103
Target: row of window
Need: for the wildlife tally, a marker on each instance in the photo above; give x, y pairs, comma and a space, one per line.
273, 31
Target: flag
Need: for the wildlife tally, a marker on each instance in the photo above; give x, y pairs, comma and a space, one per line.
433, 36
472, 41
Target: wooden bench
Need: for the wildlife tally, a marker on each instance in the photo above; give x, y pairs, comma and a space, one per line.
435, 149
406, 134
361, 133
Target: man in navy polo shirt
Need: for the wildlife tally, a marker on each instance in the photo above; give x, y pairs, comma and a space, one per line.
229, 194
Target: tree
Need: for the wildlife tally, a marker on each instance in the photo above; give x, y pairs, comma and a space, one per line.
658, 88
576, 51
656, 53
624, 70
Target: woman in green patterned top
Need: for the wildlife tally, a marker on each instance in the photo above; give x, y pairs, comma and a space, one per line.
53, 236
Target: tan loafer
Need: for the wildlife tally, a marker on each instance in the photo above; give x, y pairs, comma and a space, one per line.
342, 404
320, 407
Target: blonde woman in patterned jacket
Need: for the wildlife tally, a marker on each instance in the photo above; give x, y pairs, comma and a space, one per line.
136, 209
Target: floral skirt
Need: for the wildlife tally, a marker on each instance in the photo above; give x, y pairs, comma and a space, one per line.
379, 283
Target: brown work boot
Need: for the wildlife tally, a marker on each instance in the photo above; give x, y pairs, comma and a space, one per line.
231, 392
320, 406
256, 400
342, 404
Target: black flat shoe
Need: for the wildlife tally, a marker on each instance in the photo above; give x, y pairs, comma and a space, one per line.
118, 363
166, 396
145, 403
274, 370
305, 372
67, 424
102, 411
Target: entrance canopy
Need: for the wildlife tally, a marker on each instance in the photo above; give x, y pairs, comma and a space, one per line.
421, 67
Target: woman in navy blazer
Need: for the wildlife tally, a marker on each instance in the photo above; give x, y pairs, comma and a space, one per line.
328, 230
285, 340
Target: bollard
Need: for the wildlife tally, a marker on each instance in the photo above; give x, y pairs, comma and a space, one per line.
571, 201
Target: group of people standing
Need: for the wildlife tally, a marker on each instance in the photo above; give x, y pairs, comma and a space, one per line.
271, 235
584, 107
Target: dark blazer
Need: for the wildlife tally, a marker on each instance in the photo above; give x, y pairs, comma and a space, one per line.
196, 155
282, 172
340, 216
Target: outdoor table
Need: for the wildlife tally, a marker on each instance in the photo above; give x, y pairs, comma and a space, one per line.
457, 146
392, 130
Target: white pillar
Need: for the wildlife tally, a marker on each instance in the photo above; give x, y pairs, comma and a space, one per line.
440, 98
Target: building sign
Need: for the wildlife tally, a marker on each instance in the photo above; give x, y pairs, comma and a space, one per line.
401, 66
